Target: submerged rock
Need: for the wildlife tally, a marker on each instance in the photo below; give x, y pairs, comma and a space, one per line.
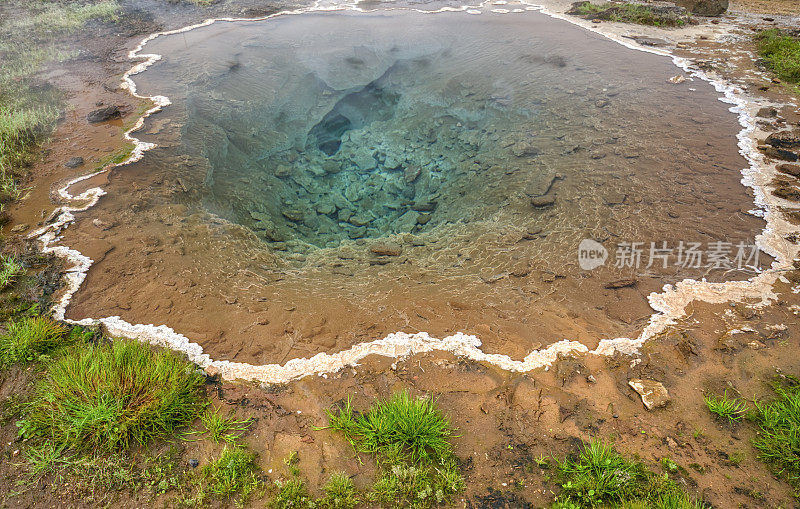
547, 200
386, 249
654, 394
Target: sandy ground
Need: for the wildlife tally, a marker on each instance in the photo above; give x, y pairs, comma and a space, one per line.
505, 419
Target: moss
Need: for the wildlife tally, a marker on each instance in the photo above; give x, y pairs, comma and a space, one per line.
780, 53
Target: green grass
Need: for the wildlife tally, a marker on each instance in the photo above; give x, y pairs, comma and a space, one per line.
106, 398
10, 267
28, 338
781, 53
601, 477
627, 13
411, 440
778, 439
725, 408
36, 35
402, 427
220, 427
233, 474
340, 493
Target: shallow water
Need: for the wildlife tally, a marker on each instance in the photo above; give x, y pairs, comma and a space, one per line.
478, 150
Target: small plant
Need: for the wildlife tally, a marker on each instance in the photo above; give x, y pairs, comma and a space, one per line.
105, 398
400, 427
411, 440
669, 465
725, 408
600, 476
220, 427
781, 53
10, 267
340, 493
29, 338
627, 13
232, 474
778, 440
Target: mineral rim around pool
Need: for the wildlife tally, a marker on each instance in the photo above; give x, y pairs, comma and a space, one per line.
327, 178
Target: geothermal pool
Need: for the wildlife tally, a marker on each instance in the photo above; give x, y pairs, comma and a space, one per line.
326, 178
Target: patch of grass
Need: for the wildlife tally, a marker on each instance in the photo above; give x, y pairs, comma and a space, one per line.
410, 438
417, 486
628, 13
340, 493
781, 53
292, 494
64, 18
233, 474
220, 427
778, 439
105, 398
725, 408
28, 338
402, 427
600, 476
10, 267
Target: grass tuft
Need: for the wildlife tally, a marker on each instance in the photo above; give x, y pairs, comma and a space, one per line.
232, 474
781, 53
410, 437
778, 439
402, 427
10, 267
340, 493
109, 397
725, 408
29, 338
601, 476
220, 427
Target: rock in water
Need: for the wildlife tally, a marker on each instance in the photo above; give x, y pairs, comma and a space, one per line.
103, 114
654, 394
386, 249
704, 7
543, 201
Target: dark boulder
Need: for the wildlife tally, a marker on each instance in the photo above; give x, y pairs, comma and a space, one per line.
783, 139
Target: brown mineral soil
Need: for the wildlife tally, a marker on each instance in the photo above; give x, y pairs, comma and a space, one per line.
151, 274
767, 7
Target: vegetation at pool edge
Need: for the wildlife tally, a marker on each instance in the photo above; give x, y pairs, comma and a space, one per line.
29, 109
628, 13
780, 52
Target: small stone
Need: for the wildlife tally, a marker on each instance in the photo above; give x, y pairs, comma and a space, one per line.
410, 173
194, 463
614, 198
783, 139
424, 206
543, 201
74, 162
330, 166
293, 215
789, 169
654, 394
591, 379
779, 153
787, 192
767, 112
360, 220
103, 225
601, 103
357, 233
19, 228
620, 283
386, 249
677, 79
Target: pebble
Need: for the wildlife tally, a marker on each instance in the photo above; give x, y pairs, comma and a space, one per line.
194, 463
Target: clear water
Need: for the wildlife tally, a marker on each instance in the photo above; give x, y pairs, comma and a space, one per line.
482, 148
